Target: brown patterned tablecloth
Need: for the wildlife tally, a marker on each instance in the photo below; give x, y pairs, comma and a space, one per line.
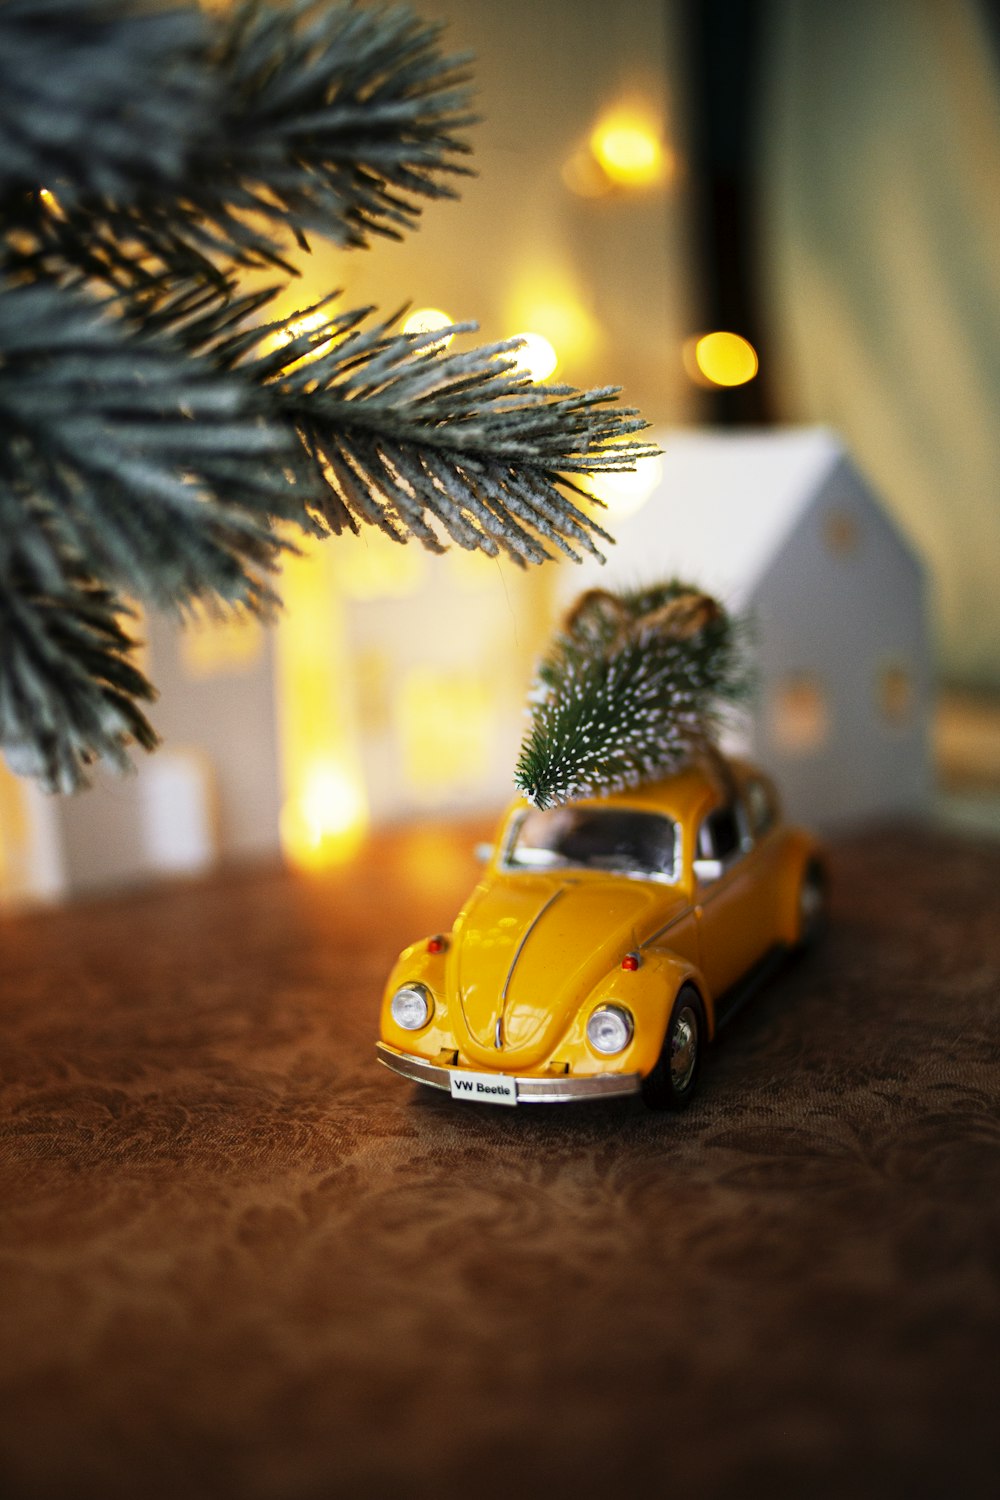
239, 1259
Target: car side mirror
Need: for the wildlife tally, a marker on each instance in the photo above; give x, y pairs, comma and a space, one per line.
707, 869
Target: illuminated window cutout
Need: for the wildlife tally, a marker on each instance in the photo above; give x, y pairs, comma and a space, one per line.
212, 647
472, 572
14, 833
895, 695
373, 566
446, 724
841, 533
374, 691
800, 714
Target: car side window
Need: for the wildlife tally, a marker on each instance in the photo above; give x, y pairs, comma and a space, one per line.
762, 812
720, 836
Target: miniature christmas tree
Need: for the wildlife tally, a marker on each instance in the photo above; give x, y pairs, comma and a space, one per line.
153, 427
633, 685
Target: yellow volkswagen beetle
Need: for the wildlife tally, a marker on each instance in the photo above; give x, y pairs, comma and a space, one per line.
606, 943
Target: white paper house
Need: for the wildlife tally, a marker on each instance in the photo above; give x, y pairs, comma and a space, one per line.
783, 529
211, 792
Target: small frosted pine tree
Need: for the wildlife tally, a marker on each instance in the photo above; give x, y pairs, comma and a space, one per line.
631, 687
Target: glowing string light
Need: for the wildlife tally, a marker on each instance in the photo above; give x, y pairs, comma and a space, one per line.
426, 320
721, 358
536, 356
629, 151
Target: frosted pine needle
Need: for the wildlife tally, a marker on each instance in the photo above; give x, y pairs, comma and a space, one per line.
631, 687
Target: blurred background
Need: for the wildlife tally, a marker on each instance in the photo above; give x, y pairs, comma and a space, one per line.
750, 214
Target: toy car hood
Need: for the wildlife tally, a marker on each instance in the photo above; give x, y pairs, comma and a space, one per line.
528, 949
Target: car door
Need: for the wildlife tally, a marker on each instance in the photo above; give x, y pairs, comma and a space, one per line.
763, 822
726, 895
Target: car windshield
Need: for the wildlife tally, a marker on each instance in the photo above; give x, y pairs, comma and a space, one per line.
639, 844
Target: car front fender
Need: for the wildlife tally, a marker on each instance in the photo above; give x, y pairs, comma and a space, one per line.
648, 993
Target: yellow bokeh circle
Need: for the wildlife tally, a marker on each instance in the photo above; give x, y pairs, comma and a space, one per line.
725, 358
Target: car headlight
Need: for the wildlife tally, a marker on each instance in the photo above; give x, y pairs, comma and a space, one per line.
411, 1007
610, 1029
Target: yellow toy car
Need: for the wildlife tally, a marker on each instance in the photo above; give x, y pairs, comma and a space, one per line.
606, 943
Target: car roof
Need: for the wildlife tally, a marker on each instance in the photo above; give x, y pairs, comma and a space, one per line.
683, 795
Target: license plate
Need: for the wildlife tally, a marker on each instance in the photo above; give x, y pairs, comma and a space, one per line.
484, 1088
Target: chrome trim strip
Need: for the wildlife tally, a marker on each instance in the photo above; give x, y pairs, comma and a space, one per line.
524, 938
717, 887
566, 1090
648, 943
560, 1090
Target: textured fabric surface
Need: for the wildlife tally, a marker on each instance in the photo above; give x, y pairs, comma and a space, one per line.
240, 1259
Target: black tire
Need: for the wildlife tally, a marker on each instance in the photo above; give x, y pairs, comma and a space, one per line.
813, 911
674, 1080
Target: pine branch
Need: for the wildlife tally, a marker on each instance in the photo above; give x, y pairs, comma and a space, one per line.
68, 691
348, 116
148, 444
99, 98
159, 457
632, 686
425, 443
142, 459
301, 118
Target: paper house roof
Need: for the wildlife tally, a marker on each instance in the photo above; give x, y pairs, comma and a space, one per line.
724, 507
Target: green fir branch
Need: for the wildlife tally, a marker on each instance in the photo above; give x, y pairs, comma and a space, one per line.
632, 686
100, 99
425, 443
144, 459
69, 690
152, 428
338, 119
289, 120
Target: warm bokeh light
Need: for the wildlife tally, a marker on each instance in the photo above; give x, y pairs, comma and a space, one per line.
536, 356
308, 323
547, 302
435, 861
324, 820
721, 359
51, 202
627, 491
373, 566
447, 727
213, 646
629, 150
473, 572
325, 813
14, 833
426, 320
585, 176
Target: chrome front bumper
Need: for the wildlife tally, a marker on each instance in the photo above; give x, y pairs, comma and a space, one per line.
560, 1089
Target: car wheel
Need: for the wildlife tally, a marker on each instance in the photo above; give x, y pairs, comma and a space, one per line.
673, 1081
813, 904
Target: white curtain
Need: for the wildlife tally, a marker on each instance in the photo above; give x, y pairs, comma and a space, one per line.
881, 243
